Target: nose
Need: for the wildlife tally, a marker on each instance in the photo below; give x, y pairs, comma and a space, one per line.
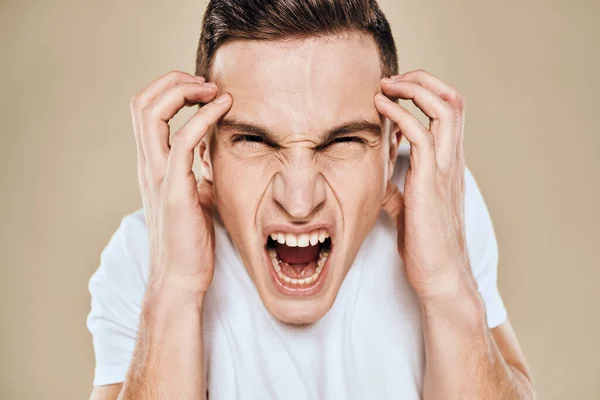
299, 187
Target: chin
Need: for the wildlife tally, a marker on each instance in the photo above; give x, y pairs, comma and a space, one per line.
298, 311
298, 314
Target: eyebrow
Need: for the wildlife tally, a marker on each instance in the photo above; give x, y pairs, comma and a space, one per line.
353, 126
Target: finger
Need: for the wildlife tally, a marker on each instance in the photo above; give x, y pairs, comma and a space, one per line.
181, 156
144, 97
161, 84
156, 117
420, 138
442, 116
155, 88
449, 94
436, 85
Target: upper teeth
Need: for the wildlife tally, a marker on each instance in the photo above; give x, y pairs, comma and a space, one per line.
302, 240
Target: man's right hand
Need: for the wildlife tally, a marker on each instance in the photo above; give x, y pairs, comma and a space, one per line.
177, 207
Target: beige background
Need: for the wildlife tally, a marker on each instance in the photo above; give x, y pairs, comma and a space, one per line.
69, 68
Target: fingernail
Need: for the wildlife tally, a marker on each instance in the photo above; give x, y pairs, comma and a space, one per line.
395, 77
200, 78
387, 80
221, 99
383, 98
210, 84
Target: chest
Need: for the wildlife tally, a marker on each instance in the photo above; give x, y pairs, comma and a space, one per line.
373, 349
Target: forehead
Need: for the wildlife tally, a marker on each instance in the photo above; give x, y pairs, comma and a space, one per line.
302, 86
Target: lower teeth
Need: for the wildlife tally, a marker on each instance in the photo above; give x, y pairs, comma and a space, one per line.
303, 281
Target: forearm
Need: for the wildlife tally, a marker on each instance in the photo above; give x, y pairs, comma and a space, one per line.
168, 361
462, 359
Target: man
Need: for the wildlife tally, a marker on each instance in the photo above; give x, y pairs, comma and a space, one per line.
295, 267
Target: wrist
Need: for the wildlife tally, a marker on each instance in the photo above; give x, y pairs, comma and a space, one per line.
170, 281
458, 302
171, 294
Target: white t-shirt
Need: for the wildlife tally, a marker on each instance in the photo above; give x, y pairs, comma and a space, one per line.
369, 345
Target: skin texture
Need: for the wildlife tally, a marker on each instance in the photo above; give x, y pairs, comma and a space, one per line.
463, 357
295, 183
297, 91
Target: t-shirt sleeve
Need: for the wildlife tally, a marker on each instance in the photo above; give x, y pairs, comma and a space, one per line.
483, 251
117, 289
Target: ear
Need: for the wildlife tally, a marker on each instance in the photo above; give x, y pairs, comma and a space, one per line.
205, 162
395, 136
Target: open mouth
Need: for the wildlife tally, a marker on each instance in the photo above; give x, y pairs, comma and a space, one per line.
299, 261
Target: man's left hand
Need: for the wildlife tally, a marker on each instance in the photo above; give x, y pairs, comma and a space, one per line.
430, 214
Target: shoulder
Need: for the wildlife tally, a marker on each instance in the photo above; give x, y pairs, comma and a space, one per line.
133, 224
124, 261
117, 288
132, 231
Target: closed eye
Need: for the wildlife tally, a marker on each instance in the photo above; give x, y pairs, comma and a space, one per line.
255, 140
343, 141
248, 138
347, 139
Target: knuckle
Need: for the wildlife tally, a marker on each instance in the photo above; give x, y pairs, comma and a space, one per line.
176, 75
178, 89
458, 100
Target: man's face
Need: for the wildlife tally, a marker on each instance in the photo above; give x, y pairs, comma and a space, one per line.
299, 164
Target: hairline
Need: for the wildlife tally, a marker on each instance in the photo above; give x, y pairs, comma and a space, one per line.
364, 37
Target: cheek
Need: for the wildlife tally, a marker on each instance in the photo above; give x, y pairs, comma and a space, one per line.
359, 189
239, 186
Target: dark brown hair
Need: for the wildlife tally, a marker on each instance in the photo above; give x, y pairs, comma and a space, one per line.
292, 19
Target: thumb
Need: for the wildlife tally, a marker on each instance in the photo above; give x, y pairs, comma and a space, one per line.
205, 193
393, 202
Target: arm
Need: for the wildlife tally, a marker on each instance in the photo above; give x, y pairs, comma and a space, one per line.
168, 359
500, 342
169, 342
464, 358
106, 392
169, 355
169, 326
467, 360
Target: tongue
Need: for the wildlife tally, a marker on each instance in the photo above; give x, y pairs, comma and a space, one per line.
298, 271
297, 255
